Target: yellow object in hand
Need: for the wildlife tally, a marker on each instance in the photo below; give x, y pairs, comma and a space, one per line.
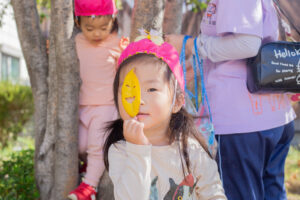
131, 94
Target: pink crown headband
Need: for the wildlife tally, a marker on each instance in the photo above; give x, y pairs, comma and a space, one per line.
165, 51
94, 7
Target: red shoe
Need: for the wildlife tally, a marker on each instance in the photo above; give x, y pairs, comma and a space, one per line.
83, 192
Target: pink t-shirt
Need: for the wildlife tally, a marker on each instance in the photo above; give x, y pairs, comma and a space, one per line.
97, 69
234, 109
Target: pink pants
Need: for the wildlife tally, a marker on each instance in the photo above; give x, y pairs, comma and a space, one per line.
92, 137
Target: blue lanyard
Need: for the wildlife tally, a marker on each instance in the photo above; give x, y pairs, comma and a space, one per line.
197, 62
204, 93
182, 61
200, 66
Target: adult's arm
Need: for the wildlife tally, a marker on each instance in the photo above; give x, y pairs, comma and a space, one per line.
229, 47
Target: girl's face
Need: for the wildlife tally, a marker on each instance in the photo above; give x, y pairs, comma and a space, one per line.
156, 96
96, 29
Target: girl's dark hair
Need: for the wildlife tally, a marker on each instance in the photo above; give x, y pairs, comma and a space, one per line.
181, 125
115, 26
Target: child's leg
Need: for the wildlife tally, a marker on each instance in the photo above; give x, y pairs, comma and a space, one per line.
274, 168
82, 141
83, 191
96, 139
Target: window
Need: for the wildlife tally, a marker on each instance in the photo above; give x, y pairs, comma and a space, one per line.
10, 68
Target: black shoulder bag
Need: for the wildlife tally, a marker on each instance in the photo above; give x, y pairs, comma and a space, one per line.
275, 69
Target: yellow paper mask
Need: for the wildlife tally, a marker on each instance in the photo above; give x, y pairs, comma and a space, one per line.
131, 94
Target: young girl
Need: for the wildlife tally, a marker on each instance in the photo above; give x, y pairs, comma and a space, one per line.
156, 153
98, 50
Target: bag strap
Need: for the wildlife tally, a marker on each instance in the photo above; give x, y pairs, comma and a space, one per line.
280, 10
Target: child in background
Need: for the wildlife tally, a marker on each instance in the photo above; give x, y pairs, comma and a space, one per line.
156, 152
98, 48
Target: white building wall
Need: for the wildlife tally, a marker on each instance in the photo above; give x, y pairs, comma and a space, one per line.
10, 44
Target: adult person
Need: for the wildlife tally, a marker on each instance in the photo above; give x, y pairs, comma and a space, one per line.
254, 131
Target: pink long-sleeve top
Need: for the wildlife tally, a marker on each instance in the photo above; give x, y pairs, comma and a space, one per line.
97, 69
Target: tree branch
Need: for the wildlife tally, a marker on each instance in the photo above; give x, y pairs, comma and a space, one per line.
173, 17
147, 15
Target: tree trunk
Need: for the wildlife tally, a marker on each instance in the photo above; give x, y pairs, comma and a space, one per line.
55, 95
34, 49
67, 90
55, 85
124, 19
173, 17
147, 15
191, 23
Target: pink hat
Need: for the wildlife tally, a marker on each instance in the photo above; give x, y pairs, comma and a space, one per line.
165, 51
94, 7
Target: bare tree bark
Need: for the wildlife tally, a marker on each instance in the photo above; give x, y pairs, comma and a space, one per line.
147, 15
56, 102
124, 17
173, 17
34, 51
68, 83
191, 23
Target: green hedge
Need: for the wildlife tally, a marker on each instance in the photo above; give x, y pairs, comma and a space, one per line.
17, 177
16, 108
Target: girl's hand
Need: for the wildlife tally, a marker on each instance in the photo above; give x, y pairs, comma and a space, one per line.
133, 131
124, 42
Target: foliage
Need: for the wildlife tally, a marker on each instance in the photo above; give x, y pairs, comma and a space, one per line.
198, 5
119, 4
44, 3
16, 108
43, 7
22, 143
3, 10
292, 173
17, 177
